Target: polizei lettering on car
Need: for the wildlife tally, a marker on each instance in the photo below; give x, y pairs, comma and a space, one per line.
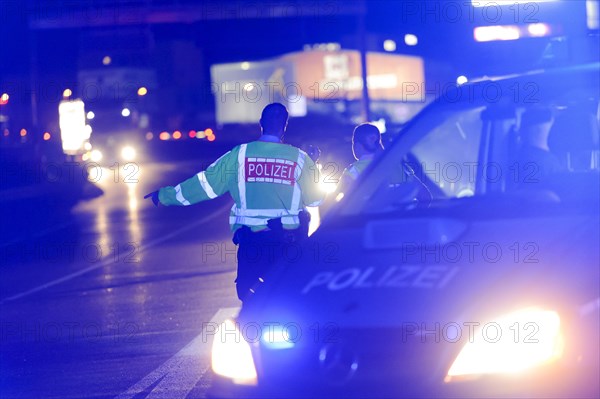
406, 276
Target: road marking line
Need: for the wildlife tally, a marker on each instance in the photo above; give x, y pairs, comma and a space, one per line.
108, 259
176, 377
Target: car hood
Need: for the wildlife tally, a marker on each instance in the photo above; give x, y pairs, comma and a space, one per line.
399, 271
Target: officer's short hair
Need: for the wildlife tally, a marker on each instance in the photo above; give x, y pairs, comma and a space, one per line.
369, 136
274, 117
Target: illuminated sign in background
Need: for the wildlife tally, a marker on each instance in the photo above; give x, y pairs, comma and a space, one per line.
299, 79
73, 131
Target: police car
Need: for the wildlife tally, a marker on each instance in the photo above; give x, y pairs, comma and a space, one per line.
492, 290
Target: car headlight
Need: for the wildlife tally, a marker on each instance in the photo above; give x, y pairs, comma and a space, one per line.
327, 187
96, 155
510, 344
326, 184
128, 153
231, 355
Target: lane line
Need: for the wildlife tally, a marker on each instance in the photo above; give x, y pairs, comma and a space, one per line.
177, 376
108, 258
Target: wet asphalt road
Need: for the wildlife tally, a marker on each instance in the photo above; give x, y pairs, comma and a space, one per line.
112, 300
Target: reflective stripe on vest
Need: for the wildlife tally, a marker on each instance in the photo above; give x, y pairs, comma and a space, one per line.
268, 213
206, 185
242, 176
179, 196
255, 221
295, 208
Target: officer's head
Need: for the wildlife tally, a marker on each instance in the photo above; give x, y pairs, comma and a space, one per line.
274, 119
366, 139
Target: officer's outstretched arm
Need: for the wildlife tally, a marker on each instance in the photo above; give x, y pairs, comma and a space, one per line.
153, 197
208, 184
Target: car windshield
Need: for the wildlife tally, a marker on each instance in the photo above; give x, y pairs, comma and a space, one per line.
544, 149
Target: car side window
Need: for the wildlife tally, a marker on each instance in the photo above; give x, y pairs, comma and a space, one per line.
446, 158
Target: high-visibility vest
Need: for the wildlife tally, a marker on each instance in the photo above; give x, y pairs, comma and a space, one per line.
266, 180
356, 168
351, 173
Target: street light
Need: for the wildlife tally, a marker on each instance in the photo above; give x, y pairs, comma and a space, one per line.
389, 45
411, 40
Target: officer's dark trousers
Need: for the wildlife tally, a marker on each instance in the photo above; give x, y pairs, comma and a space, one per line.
259, 252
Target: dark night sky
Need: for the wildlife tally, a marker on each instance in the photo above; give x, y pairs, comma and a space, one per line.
222, 40
443, 39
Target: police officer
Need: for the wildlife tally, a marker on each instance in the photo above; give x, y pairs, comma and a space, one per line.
366, 146
271, 184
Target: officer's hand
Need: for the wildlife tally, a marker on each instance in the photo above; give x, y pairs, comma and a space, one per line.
313, 152
154, 196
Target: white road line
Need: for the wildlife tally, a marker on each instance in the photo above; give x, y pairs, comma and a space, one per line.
180, 374
108, 259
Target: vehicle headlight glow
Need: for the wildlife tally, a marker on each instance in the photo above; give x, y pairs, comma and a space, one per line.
517, 342
315, 219
326, 184
231, 355
96, 156
128, 153
328, 187
277, 337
